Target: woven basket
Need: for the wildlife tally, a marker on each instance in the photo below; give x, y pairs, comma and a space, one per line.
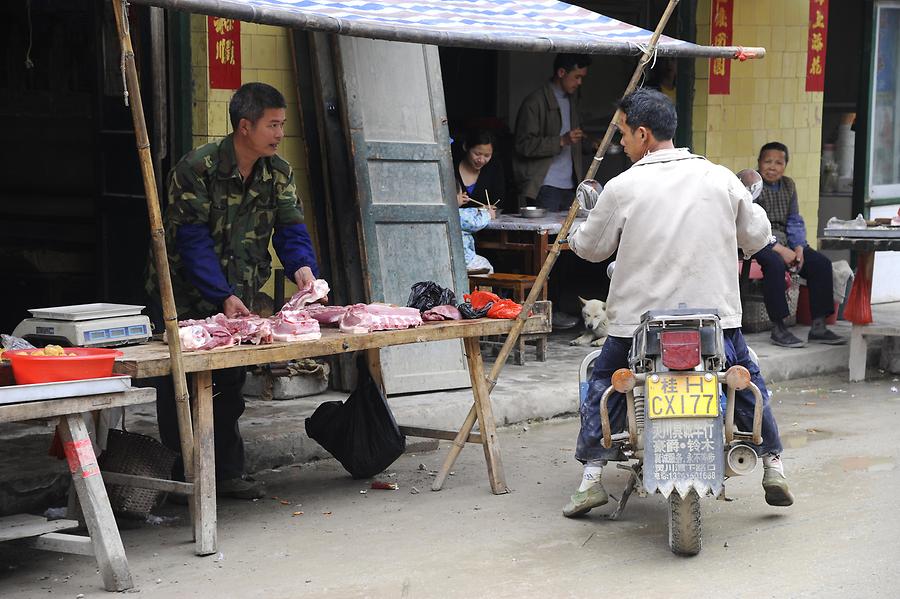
753, 306
140, 455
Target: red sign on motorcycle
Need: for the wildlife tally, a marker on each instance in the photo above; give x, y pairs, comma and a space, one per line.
720, 32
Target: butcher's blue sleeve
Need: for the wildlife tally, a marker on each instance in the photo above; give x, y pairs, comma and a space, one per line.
195, 246
795, 228
294, 248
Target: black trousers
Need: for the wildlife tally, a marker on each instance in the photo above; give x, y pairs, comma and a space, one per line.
228, 405
817, 272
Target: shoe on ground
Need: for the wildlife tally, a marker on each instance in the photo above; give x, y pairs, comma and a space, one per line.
776, 487
584, 501
240, 488
827, 337
785, 338
563, 321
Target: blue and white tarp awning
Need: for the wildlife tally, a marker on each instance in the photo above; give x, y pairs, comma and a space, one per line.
527, 25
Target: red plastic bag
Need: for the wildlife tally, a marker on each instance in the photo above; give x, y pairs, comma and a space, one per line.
504, 309
480, 299
859, 307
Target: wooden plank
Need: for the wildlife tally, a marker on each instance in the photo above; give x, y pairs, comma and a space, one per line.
74, 405
433, 433
21, 526
98, 516
64, 543
152, 359
147, 482
205, 465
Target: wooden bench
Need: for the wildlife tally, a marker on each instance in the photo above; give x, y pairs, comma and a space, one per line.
520, 285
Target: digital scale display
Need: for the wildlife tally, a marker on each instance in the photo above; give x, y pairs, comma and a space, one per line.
116, 333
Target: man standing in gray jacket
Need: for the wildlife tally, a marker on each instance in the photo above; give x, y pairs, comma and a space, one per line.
547, 161
676, 220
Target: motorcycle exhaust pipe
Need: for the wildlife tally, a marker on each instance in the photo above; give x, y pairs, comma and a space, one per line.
740, 461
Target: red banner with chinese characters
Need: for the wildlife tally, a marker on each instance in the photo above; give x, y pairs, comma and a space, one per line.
815, 50
224, 37
720, 29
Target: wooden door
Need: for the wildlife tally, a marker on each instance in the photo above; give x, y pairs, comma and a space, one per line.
394, 109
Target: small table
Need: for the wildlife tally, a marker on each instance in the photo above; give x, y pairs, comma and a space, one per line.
496, 236
152, 359
104, 542
865, 243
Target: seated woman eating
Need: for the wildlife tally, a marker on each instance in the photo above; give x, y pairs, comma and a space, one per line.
478, 175
472, 220
789, 250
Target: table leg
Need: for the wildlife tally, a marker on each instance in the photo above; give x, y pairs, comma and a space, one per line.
481, 411
485, 413
204, 465
859, 349
98, 515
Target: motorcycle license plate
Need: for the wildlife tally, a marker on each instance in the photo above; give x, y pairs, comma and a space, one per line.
682, 395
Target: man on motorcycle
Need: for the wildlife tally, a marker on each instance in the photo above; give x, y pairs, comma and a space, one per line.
675, 219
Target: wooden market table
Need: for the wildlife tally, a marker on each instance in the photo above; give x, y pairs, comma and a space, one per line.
104, 542
152, 359
865, 243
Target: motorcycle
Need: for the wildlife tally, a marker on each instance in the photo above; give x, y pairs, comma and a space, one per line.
681, 440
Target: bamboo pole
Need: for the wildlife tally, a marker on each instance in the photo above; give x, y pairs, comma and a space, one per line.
573, 210
157, 238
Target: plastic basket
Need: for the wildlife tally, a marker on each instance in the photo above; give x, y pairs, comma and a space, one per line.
140, 455
755, 317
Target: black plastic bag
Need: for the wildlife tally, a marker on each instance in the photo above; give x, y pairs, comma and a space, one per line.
425, 295
360, 432
469, 313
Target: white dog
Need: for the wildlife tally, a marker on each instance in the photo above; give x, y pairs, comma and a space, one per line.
595, 322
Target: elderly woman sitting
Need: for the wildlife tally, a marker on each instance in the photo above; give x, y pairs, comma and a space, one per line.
790, 250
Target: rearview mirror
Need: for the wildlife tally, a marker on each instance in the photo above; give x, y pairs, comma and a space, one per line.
588, 193
752, 181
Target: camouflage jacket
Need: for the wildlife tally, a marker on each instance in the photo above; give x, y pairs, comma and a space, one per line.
205, 188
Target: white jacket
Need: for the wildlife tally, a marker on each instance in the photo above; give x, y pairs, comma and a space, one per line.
677, 221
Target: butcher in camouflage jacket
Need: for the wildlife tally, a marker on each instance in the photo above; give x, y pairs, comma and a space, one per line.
227, 200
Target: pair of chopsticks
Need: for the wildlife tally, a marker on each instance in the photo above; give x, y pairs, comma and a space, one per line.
488, 205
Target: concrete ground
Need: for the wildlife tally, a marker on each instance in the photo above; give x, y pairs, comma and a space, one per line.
317, 535
274, 431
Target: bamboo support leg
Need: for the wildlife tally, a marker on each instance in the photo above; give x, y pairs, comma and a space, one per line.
205, 466
98, 515
458, 443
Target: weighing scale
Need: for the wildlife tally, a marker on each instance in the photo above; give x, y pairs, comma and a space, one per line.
86, 325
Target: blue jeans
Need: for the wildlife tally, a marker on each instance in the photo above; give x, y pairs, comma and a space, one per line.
614, 355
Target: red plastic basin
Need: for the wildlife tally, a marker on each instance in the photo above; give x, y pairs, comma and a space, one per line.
87, 363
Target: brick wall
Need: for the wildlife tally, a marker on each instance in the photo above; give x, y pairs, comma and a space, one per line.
768, 100
265, 57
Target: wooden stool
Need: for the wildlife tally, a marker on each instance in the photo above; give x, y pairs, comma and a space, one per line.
520, 285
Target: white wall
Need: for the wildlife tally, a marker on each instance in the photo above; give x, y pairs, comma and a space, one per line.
886, 276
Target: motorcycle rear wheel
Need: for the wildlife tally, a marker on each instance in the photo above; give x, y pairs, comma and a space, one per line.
684, 523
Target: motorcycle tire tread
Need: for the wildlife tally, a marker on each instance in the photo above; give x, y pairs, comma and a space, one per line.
684, 523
